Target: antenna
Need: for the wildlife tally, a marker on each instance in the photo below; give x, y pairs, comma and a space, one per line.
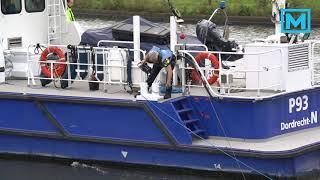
174, 10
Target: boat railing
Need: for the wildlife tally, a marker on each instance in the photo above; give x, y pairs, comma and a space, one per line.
232, 81
224, 89
315, 63
103, 69
106, 68
192, 45
100, 43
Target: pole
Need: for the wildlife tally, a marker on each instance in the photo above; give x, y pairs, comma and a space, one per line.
276, 13
173, 43
136, 37
2, 62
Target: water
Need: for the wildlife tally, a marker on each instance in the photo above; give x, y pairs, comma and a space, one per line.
35, 169
240, 33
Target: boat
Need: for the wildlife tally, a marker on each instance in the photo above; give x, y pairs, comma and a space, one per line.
256, 113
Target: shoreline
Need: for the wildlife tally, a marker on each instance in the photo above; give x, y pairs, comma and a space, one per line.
164, 17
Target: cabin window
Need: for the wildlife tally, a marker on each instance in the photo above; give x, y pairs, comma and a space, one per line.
35, 5
10, 6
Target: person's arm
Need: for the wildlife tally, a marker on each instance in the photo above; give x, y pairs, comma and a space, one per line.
169, 76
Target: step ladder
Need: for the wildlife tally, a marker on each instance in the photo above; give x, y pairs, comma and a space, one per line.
188, 116
56, 18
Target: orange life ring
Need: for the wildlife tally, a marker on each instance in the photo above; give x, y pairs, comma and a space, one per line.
202, 56
58, 68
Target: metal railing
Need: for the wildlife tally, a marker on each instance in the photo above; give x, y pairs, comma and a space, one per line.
315, 63
230, 71
221, 91
105, 67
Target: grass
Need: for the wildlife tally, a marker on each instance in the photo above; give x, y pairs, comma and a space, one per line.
196, 7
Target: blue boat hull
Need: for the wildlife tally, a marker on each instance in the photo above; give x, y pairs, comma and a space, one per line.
149, 133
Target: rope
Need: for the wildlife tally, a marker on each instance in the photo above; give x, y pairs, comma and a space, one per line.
225, 135
220, 124
233, 156
56, 78
210, 144
36, 49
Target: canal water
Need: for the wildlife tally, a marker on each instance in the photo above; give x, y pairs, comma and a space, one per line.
239, 33
27, 169
33, 169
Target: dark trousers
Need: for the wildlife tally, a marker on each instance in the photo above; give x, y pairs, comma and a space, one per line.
154, 73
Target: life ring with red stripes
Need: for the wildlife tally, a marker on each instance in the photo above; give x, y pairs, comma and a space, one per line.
202, 56
58, 68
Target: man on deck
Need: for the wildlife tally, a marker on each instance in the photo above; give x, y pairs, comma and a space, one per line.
160, 59
69, 13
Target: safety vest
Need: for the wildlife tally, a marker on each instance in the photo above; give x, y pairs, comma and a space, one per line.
69, 15
166, 56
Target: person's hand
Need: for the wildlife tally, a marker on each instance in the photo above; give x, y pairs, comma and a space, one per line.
141, 62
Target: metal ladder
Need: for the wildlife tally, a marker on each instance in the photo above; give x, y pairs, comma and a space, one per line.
189, 117
56, 16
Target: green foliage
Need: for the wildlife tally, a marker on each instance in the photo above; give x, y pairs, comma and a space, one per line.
245, 10
262, 3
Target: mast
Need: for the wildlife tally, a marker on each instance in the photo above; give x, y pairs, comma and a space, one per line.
277, 5
2, 61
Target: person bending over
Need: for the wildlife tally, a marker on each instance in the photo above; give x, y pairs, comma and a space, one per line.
160, 59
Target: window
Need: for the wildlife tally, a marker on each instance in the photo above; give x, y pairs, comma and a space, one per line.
10, 6
35, 5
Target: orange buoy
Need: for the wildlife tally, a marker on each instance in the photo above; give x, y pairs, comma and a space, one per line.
202, 56
58, 68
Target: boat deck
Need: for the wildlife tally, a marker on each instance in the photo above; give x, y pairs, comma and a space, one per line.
287, 142
81, 89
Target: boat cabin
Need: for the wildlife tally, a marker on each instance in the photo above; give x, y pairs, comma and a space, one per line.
25, 22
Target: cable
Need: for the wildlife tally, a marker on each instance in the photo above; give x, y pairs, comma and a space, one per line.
233, 153
212, 145
225, 135
220, 124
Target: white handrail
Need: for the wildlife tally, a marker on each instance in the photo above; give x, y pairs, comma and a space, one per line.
194, 45
97, 51
214, 94
243, 71
314, 60
232, 53
103, 50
